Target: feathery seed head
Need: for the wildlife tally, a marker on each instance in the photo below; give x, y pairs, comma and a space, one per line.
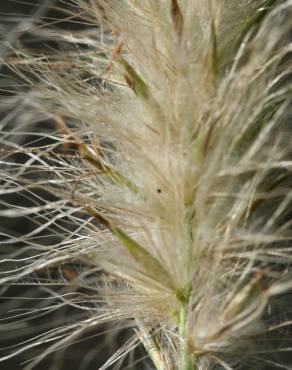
175, 113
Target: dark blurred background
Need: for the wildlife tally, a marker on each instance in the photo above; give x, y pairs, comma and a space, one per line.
21, 26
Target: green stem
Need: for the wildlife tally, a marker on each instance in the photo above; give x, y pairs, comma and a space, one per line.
185, 358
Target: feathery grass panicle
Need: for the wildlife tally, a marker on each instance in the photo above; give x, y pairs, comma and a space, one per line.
169, 170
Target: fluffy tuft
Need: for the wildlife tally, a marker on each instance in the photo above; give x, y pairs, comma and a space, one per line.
169, 169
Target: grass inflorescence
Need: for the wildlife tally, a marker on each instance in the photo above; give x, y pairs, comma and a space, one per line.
156, 176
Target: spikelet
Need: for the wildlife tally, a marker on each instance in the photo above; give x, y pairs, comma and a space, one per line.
169, 171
